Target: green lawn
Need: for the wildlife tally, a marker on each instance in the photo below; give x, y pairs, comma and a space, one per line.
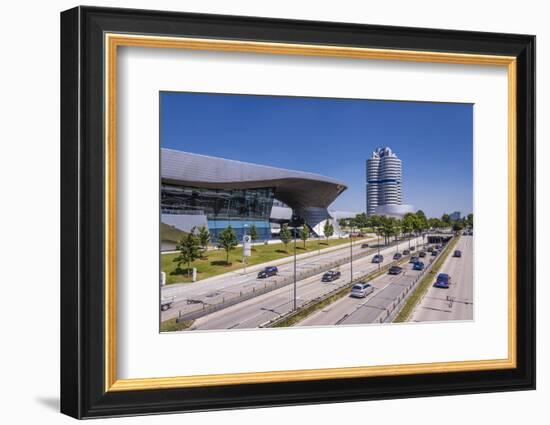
215, 264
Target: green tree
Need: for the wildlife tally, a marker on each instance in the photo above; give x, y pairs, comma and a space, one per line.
328, 229
375, 221
304, 234
446, 219
253, 232
470, 220
189, 250
388, 228
421, 223
227, 239
409, 224
204, 237
458, 226
361, 220
285, 236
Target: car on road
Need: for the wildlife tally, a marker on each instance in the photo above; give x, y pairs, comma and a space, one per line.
365, 245
419, 265
378, 258
397, 256
434, 253
457, 253
465, 233
443, 281
166, 303
412, 248
422, 254
395, 270
430, 248
406, 252
438, 247
413, 259
361, 290
331, 276
267, 272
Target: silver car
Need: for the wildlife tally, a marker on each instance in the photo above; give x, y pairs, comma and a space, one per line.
361, 290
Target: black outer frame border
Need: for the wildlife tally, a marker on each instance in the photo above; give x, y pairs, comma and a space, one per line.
82, 206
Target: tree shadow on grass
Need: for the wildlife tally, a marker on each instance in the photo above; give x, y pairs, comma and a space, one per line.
179, 271
281, 251
220, 263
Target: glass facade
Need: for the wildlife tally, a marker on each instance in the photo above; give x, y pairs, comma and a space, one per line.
223, 207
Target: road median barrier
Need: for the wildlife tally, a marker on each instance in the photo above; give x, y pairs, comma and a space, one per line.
415, 293
204, 308
307, 309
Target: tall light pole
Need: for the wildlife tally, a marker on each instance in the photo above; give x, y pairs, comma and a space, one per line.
294, 268
351, 254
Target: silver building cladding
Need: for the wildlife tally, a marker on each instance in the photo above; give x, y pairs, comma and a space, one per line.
384, 177
238, 193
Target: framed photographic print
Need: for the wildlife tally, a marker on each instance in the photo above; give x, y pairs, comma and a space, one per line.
261, 212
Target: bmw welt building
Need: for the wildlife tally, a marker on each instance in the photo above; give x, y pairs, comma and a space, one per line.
215, 192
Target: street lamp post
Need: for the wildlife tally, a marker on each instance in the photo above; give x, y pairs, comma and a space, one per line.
351, 254
294, 268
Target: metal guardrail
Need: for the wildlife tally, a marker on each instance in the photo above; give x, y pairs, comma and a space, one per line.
389, 314
226, 302
274, 322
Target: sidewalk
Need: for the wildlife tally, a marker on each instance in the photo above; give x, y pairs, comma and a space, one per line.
284, 260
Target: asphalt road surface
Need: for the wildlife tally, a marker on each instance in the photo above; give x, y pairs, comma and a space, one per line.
352, 311
230, 285
455, 303
256, 311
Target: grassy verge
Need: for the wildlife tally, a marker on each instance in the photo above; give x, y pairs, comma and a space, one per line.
313, 308
171, 325
424, 284
215, 263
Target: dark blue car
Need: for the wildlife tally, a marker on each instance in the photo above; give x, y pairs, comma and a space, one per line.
419, 265
443, 281
268, 271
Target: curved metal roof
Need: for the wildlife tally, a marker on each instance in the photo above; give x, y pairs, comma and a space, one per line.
308, 193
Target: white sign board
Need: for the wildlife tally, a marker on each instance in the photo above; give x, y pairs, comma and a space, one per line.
247, 245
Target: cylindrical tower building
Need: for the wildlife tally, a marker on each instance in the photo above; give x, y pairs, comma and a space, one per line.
384, 177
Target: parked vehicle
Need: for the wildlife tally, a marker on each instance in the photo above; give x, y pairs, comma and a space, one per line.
378, 258
413, 260
397, 256
457, 253
413, 248
406, 252
422, 254
361, 290
395, 270
419, 265
443, 281
365, 245
434, 253
267, 272
331, 275
430, 248
166, 303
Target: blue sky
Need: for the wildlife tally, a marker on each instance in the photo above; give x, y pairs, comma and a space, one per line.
333, 137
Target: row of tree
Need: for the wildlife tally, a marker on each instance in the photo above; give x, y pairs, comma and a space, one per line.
194, 244
410, 223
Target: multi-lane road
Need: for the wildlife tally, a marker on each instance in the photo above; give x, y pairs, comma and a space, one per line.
455, 303
229, 285
260, 309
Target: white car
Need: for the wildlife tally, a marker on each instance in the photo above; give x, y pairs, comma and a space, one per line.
361, 290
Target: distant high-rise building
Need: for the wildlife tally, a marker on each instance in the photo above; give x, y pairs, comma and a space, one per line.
383, 181
455, 216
